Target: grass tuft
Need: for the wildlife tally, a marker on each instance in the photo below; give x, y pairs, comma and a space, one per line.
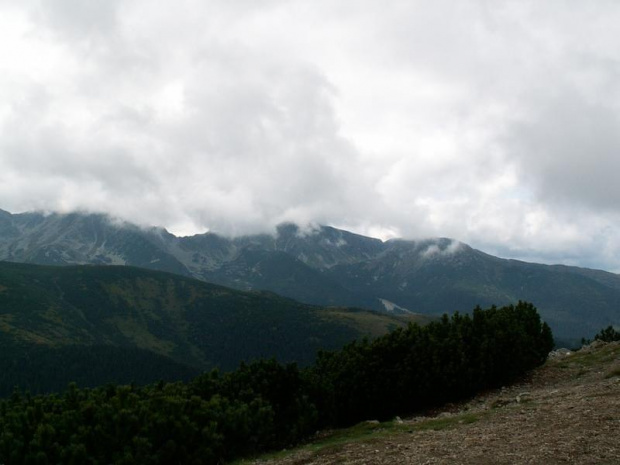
368, 431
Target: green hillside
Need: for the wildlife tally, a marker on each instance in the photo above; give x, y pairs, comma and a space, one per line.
163, 319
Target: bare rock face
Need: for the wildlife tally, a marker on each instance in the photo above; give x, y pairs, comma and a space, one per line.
596, 344
560, 353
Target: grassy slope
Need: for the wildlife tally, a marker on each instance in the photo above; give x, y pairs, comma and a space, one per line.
189, 321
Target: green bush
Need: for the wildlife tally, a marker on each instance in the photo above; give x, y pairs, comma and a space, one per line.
265, 404
608, 334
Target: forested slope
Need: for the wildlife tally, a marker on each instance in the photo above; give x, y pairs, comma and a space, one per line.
174, 325
266, 405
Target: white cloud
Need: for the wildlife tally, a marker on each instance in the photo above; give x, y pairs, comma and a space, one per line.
491, 122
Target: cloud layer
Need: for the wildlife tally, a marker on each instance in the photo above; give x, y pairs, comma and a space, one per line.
495, 123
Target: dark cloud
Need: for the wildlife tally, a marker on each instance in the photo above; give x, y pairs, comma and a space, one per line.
569, 149
76, 19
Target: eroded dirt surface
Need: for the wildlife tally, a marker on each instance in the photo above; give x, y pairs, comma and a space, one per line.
568, 411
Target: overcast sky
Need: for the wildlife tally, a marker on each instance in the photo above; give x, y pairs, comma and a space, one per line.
493, 122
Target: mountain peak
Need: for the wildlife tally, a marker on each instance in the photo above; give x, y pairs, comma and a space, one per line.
326, 266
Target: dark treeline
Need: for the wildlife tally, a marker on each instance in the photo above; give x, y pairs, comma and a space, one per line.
608, 334
40, 369
266, 405
419, 367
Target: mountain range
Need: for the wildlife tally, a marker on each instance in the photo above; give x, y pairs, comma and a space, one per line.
326, 266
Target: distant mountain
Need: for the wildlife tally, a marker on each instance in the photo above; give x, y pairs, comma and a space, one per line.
327, 266
83, 239
123, 324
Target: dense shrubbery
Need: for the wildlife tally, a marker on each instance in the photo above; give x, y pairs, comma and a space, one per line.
418, 367
266, 405
41, 369
608, 334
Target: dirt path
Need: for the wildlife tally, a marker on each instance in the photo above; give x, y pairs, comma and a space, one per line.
567, 412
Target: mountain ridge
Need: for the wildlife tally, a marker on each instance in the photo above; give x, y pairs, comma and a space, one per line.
327, 266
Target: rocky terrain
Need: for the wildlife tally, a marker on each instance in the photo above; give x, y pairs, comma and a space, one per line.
567, 411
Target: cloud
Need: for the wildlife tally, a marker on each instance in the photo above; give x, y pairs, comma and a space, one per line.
450, 248
224, 138
75, 19
491, 122
569, 150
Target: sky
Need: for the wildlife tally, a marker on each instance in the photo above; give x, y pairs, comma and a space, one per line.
496, 123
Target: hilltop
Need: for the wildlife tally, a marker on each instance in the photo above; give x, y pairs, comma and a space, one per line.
565, 411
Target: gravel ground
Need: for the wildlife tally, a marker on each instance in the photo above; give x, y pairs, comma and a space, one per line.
568, 411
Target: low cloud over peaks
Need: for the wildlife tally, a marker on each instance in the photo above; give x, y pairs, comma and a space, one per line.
493, 123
